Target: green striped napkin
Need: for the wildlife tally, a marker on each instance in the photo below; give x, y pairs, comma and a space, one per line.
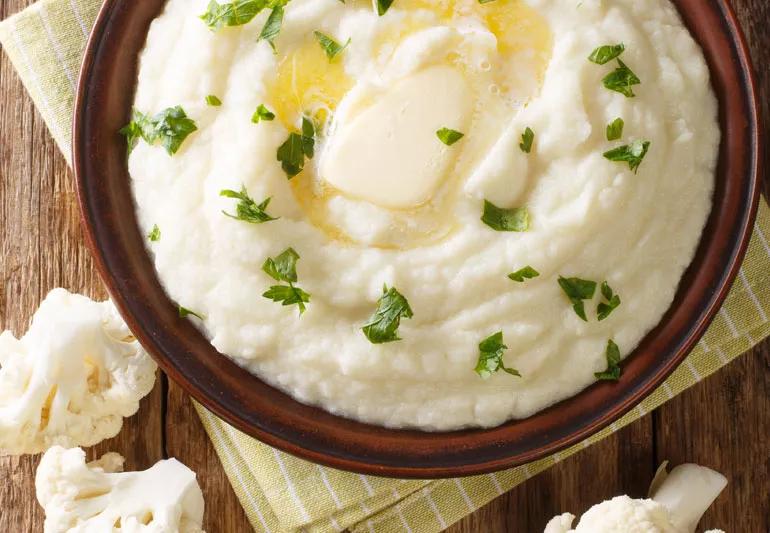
281, 493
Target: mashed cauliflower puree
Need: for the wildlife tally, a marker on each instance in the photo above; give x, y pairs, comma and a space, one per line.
529, 209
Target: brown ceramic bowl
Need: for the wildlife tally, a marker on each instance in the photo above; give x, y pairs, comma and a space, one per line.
105, 94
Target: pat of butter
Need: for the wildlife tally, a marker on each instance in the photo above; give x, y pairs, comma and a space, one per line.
389, 154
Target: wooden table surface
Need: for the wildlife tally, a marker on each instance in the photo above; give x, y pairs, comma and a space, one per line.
723, 422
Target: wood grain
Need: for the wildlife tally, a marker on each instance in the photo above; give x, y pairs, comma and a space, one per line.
723, 422
42, 247
187, 440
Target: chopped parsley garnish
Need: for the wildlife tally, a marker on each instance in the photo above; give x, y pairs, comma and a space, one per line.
526, 140
308, 137
621, 80
262, 113
491, 352
154, 234
632, 153
524, 273
605, 54
612, 302
184, 313
383, 325
291, 155
383, 6
272, 26
247, 209
213, 100
502, 219
449, 136
329, 45
288, 295
615, 129
234, 13
578, 290
613, 363
171, 127
296, 148
283, 267
485, 1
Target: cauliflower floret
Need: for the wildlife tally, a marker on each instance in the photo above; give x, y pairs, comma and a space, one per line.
560, 523
619, 515
678, 500
98, 497
71, 378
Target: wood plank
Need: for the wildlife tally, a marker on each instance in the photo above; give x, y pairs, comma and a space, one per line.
724, 424
19, 287
622, 463
186, 440
42, 247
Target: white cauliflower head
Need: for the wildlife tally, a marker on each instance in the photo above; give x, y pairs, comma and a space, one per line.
72, 378
678, 500
80, 497
620, 514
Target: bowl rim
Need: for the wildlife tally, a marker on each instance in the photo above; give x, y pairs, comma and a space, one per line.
424, 471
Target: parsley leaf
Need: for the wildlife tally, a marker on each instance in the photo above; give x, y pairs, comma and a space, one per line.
621, 80
604, 309
272, 26
485, 1
291, 155
491, 352
383, 6
501, 219
288, 295
524, 273
329, 45
526, 140
262, 113
632, 153
247, 209
615, 129
154, 234
171, 127
578, 290
234, 13
283, 267
184, 313
448, 136
383, 325
605, 54
308, 137
293, 151
213, 101
139, 127
613, 363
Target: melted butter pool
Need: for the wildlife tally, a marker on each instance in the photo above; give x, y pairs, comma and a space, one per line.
307, 83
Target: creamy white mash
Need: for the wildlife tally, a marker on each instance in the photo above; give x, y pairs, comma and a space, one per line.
384, 202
